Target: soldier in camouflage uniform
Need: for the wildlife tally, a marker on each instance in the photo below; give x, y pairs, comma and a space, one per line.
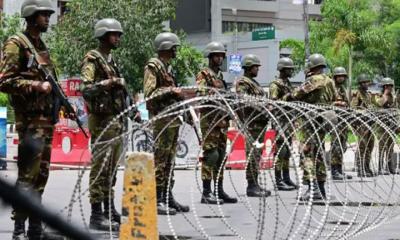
339, 139
214, 144
317, 89
30, 96
278, 90
158, 78
362, 100
256, 127
386, 101
104, 92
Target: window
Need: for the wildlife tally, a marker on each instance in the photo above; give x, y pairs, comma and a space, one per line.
230, 26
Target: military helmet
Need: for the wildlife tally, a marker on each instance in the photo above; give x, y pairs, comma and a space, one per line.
387, 81
107, 25
30, 7
214, 47
362, 78
166, 41
317, 60
250, 60
285, 62
339, 71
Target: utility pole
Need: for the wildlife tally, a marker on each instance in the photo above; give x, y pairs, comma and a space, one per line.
306, 29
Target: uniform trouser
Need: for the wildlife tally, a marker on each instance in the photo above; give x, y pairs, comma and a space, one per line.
386, 145
166, 137
312, 161
34, 153
105, 157
365, 148
212, 165
253, 154
339, 145
283, 154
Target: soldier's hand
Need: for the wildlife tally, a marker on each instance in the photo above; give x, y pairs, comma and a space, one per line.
118, 81
43, 87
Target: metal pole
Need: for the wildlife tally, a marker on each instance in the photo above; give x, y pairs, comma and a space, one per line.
306, 29
349, 84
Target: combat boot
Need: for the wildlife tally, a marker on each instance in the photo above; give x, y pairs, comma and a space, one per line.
287, 180
314, 192
346, 176
34, 229
19, 230
208, 197
99, 222
280, 184
176, 205
115, 215
336, 175
222, 195
254, 190
162, 208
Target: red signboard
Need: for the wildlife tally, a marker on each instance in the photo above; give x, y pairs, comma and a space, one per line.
71, 87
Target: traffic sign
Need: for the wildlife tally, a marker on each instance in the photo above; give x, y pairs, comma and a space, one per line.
263, 33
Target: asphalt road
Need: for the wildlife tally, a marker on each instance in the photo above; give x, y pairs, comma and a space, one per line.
280, 216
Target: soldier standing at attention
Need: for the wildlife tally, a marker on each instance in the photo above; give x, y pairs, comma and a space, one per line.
386, 143
362, 100
104, 92
279, 89
214, 144
159, 77
317, 89
30, 95
339, 138
255, 125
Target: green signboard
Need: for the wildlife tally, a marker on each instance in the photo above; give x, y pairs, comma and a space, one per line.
263, 33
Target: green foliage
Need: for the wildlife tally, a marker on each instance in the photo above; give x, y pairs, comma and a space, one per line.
188, 63
141, 21
367, 30
9, 25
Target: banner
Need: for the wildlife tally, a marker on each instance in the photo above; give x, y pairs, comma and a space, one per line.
235, 64
3, 132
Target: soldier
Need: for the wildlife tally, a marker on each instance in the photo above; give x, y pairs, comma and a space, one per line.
386, 143
317, 89
248, 85
104, 92
214, 144
35, 109
362, 100
278, 90
158, 77
339, 138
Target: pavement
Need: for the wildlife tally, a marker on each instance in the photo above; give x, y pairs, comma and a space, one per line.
369, 202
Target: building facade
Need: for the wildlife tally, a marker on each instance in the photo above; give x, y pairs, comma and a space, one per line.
243, 26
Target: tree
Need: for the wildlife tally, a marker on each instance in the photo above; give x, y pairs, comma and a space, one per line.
362, 35
141, 20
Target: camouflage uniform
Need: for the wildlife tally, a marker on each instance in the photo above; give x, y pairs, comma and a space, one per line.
158, 77
278, 90
362, 99
256, 128
339, 138
386, 142
103, 105
318, 89
34, 112
214, 144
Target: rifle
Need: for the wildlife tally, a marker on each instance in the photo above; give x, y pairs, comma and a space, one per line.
59, 97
